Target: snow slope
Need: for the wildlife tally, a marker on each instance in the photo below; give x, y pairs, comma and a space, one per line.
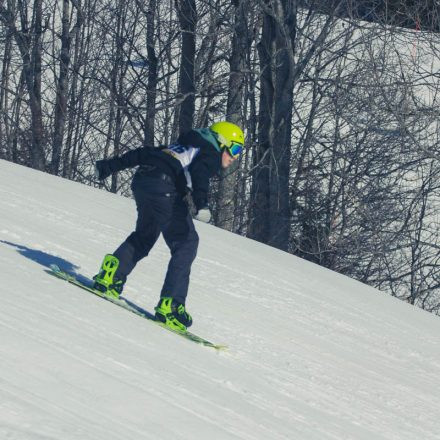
312, 355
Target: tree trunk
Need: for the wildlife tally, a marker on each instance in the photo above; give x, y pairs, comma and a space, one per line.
152, 75
5, 124
271, 212
62, 88
28, 40
280, 131
117, 77
187, 13
260, 195
228, 182
33, 79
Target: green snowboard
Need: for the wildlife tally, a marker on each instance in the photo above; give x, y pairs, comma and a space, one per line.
131, 307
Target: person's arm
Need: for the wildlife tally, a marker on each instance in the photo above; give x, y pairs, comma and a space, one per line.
106, 167
202, 169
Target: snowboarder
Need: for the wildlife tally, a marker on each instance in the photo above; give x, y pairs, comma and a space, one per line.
169, 187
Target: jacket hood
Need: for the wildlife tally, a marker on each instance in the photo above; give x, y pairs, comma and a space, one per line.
199, 137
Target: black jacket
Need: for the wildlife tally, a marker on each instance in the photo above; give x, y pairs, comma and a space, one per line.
205, 165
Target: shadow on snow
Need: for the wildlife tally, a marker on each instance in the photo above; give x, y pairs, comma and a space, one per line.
46, 260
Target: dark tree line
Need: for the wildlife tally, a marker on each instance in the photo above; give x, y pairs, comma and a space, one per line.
339, 101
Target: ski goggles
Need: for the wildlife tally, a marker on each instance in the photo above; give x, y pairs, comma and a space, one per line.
234, 150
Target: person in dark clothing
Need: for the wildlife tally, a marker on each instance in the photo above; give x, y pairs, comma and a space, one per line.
170, 187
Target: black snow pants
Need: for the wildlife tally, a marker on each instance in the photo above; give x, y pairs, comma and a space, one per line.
161, 209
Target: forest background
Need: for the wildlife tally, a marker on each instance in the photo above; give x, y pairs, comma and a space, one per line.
339, 101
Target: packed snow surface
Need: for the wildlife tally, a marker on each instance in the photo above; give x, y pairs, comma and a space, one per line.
312, 355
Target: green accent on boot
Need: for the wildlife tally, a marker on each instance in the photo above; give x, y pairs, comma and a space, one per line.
105, 281
169, 311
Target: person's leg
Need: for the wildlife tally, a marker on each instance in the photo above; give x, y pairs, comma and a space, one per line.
117, 266
140, 242
176, 225
182, 239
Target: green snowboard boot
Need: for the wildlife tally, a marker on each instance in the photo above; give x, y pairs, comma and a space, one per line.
173, 314
106, 281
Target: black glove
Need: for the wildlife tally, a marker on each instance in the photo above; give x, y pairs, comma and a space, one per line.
102, 169
200, 199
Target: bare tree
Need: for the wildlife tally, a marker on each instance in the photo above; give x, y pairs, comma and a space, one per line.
28, 37
282, 64
340, 115
62, 90
234, 109
187, 13
152, 74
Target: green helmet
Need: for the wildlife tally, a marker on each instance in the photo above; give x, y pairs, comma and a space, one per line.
227, 134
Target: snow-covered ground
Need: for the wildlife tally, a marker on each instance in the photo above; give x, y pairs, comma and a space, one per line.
312, 354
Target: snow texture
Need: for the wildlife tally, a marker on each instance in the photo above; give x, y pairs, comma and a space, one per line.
313, 355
